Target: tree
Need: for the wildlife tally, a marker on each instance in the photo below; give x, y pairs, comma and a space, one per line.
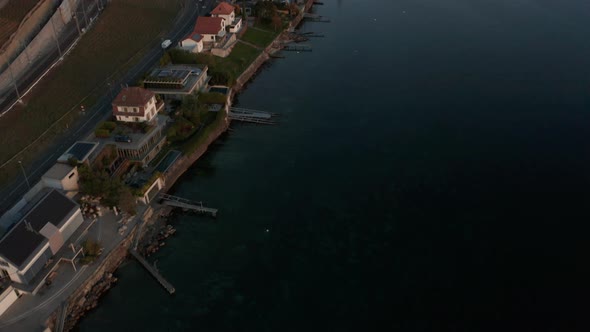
127, 201
293, 10
265, 11
165, 59
277, 23
100, 184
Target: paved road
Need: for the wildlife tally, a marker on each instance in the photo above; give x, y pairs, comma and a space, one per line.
12, 192
29, 312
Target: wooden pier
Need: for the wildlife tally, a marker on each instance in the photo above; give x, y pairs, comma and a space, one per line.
187, 204
250, 115
315, 18
311, 35
296, 48
153, 271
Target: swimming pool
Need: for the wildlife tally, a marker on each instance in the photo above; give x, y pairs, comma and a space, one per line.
219, 89
167, 161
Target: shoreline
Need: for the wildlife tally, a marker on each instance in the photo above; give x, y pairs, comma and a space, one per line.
86, 297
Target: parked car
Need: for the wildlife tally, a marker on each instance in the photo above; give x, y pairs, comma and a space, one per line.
123, 138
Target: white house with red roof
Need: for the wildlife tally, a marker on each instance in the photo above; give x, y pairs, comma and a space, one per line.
227, 12
135, 104
192, 43
211, 29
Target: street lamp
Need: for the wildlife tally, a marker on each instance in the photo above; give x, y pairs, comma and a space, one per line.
25, 174
110, 89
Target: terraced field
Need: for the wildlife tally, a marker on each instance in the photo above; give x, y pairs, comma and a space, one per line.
11, 15
110, 47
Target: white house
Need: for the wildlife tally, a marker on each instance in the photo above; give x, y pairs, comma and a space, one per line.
38, 236
135, 104
8, 296
192, 43
227, 12
211, 28
61, 176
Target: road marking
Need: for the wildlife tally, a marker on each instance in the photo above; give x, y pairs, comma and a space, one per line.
44, 303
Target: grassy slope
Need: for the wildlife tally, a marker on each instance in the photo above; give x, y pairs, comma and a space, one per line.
259, 37
240, 58
124, 29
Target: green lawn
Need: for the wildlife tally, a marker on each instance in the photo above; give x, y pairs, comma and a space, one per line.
259, 37
106, 52
229, 68
214, 120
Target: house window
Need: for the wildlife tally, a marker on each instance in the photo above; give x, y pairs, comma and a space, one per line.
70, 176
136, 119
5, 274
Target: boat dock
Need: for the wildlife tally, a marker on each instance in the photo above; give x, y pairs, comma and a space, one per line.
250, 115
310, 34
296, 48
315, 18
153, 271
187, 204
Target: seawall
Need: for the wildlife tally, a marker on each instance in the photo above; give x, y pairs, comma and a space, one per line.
86, 296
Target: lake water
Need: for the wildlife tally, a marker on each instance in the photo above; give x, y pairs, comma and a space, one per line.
430, 172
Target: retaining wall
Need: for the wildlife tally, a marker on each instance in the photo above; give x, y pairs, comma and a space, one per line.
27, 29
41, 44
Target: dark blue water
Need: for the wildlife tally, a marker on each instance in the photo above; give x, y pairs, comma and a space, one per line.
430, 173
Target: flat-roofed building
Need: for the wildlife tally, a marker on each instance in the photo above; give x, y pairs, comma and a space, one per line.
144, 146
80, 151
61, 176
176, 81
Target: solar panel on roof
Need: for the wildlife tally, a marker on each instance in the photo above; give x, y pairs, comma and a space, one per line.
80, 150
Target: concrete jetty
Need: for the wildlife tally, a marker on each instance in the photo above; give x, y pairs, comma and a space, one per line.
153, 271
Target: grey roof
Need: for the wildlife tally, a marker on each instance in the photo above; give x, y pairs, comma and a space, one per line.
80, 150
58, 171
20, 244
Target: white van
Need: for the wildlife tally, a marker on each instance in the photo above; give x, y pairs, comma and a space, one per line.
166, 43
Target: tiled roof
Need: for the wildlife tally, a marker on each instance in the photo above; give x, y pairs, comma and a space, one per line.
133, 96
208, 25
223, 8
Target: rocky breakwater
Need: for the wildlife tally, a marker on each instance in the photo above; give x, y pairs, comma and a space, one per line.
90, 300
157, 241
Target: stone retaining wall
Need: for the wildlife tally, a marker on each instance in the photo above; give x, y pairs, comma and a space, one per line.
87, 295
40, 45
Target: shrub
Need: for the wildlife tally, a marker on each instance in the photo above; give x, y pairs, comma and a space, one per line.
102, 133
212, 98
108, 125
